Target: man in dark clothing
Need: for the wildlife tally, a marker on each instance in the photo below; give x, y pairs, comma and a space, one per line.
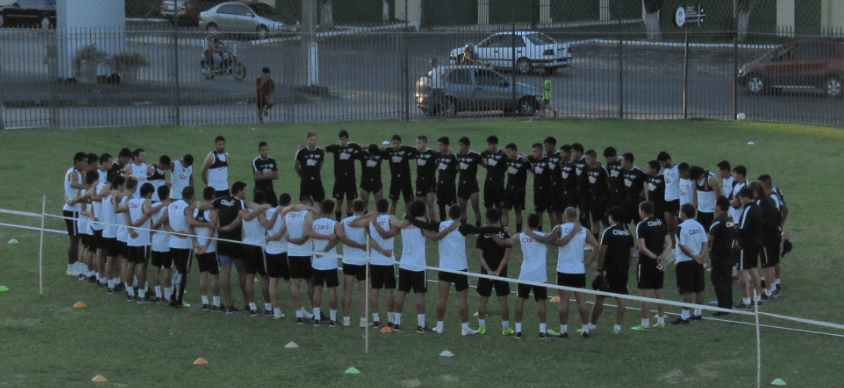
721, 234
749, 239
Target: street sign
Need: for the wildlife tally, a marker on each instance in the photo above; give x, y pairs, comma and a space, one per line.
689, 14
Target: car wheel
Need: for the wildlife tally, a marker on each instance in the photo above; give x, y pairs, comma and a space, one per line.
756, 84
239, 72
449, 107
45, 23
523, 66
212, 28
263, 32
833, 87
550, 70
527, 106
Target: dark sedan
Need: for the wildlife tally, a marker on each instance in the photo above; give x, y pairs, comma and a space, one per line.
29, 13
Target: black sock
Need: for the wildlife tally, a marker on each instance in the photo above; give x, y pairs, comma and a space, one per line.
338, 215
442, 212
478, 223
518, 228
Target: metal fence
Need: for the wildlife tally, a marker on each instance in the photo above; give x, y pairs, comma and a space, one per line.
369, 70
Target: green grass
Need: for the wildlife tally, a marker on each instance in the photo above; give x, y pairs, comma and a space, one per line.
47, 343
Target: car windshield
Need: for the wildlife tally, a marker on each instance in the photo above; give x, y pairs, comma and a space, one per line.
539, 39
264, 10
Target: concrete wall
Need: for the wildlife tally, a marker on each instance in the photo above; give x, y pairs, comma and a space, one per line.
82, 23
832, 16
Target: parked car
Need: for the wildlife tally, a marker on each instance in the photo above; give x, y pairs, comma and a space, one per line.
185, 12
27, 13
534, 50
450, 89
798, 65
252, 17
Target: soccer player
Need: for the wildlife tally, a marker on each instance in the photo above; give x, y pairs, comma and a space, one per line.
276, 251
157, 175
721, 235
215, 168
105, 163
299, 247
555, 199
381, 267
614, 260
495, 163
656, 189
749, 238
254, 262
776, 196
725, 173
687, 194
308, 165
584, 195
653, 243
73, 182
118, 166
541, 180
86, 215
706, 190
206, 252
138, 226
230, 253
671, 206
771, 237
370, 177
325, 266
354, 263
180, 220
634, 188
467, 182
162, 262
120, 207
101, 189
265, 171
493, 258
117, 184
514, 194
739, 182
400, 185
138, 168
533, 270
345, 181
693, 246
569, 176
447, 167
599, 187
426, 169
181, 175
616, 178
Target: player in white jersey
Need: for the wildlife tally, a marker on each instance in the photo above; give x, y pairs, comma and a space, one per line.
138, 226
381, 266
181, 221
161, 260
255, 226
215, 168
671, 176
86, 235
706, 191
725, 173
325, 266
299, 252
686, 185
106, 161
116, 185
181, 175
693, 244
72, 184
276, 251
206, 251
739, 182
354, 260
121, 208
138, 168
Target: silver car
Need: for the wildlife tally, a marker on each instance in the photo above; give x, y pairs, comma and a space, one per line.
249, 17
450, 89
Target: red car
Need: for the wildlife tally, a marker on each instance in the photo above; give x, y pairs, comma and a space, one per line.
799, 65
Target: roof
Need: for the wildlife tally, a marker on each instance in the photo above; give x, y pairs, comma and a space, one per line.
519, 33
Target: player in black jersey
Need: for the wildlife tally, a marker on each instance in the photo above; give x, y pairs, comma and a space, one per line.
426, 174
634, 188
568, 176
554, 200
447, 167
370, 176
400, 186
541, 180
599, 187
616, 178
514, 194
467, 181
120, 163
265, 171
614, 260
584, 196
495, 163
776, 197
308, 165
656, 188
771, 237
749, 239
229, 253
345, 183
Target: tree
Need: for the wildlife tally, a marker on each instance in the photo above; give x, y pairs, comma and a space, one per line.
652, 18
326, 19
742, 18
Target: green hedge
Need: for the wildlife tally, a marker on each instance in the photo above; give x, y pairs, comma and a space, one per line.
142, 8
449, 12
574, 10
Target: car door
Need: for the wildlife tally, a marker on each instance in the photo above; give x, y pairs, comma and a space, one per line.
781, 65
485, 49
225, 17
244, 18
458, 85
814, 63
492, 91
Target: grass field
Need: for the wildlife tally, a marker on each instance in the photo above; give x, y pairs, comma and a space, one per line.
44, 342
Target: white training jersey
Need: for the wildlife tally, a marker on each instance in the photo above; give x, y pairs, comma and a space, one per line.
570, 257
140, 171
324, 226
686, 191
296, 228
692, 236
83, 220
156, 183
727, 187
218, 173
533, 259
136, 212
276, 247
705, 199
179, 179
179, 223
253, 232
109, 218
98, 210
379, 258
122, 233
352, 255
412, 249
102, 176
452, 249
160, 238
672, 183
70, 192
736, 212
202, 233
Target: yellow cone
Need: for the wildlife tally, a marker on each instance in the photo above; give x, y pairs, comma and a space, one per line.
80, 304
200, 361
99, 378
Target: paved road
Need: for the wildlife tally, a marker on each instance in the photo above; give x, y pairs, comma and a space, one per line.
365, 76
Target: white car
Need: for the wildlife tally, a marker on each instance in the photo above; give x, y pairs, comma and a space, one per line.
534, 50
247, 17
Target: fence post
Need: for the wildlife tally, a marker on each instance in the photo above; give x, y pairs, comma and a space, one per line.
620, 72
406, 65
734, 76
686, 74
177, 102
41, 248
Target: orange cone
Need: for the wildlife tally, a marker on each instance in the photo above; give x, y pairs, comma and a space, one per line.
476, 313
256, 280
200, 361
80, 304
555, 299
98, 378
386, 329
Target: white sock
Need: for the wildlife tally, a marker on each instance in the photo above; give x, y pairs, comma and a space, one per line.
332, 314
465, 326
305, 313
110, 283
391, 317
253, 306
773, 288
592, 326
420, 320
616, 327
745, 300
777, 281
216, 300
134, 281
397, 318
317, 313
299, 313
564, 329
506, 324
758, 298
363, 320
347, 319
277, 311
586, 328
375, 317
440, 326
204, 299
142, 294
481, 322
518, 327
542, 327
97, 275
146, 286
157, 291
268, 306
698, 312
685, 315
168, 291
660, 320
130, 290
646, 323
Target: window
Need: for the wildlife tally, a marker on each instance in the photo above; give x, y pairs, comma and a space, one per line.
539, 39
488, 78
230, 9
817, 50
242, 10
460, 76
492, 41
263, 9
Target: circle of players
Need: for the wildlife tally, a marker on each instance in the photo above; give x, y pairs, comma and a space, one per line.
127, 216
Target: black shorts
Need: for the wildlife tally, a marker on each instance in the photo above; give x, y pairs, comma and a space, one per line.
446, 194
358, 271
690, 277
124, 249
234, 250
254, 261
617, 280
555, 201
269, 192
425, 187
162, 260
493, 193
748, 257
539, 293
465, 189
383, 276
485, 285
631, 214
221, 193
71, 222
84, 239
326, 277
583, 205
371, 185
705, 219
513, 199
345, 188
598, 209
648, 277
540, 199
311, 188
574, 280
208, 263
139, 255
416, 280
461, 282
277, 266
770, 254
97, 241
112, 247
300, 267
672, 207
401, 187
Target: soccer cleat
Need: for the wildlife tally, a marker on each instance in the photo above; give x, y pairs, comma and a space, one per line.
376, 324
81, 278
482, 330
434, 330
316, 322
544, 336
101, 285
758, 302
517, 335
120, 287
468, 332
230, 310
110, 290
130, 298
616, 331
507, 331
155, 300
423, 330
347, 323
722, 314
396, 327
323, 317
562, 335
390, 325
71, 273
767, 297
92, 279
206, 308
585, 334
697, 317
217, 308
778, 287
332, 323
640, 328
165, 300
660, 325
776, 293
268, 313
680, 321
743, 305
141, 300
551, 333
300, 321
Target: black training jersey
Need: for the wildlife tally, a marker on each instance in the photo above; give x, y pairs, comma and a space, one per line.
634, 186
618, 241
467, 165
656, 191
616, 179
264, 166
751, 226
400, 161
310, 162
115, 170
493, 253
496, 166
723, 233
447, 167
426, 165
653, 231
582, 177
771, 217
568, 174
541, 172
554, 164
598, 179
228, 207
344, 163
517, 174
370, 165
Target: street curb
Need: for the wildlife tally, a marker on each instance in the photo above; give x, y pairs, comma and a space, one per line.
674, 44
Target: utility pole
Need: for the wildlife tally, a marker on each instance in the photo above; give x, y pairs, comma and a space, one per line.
309, 21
